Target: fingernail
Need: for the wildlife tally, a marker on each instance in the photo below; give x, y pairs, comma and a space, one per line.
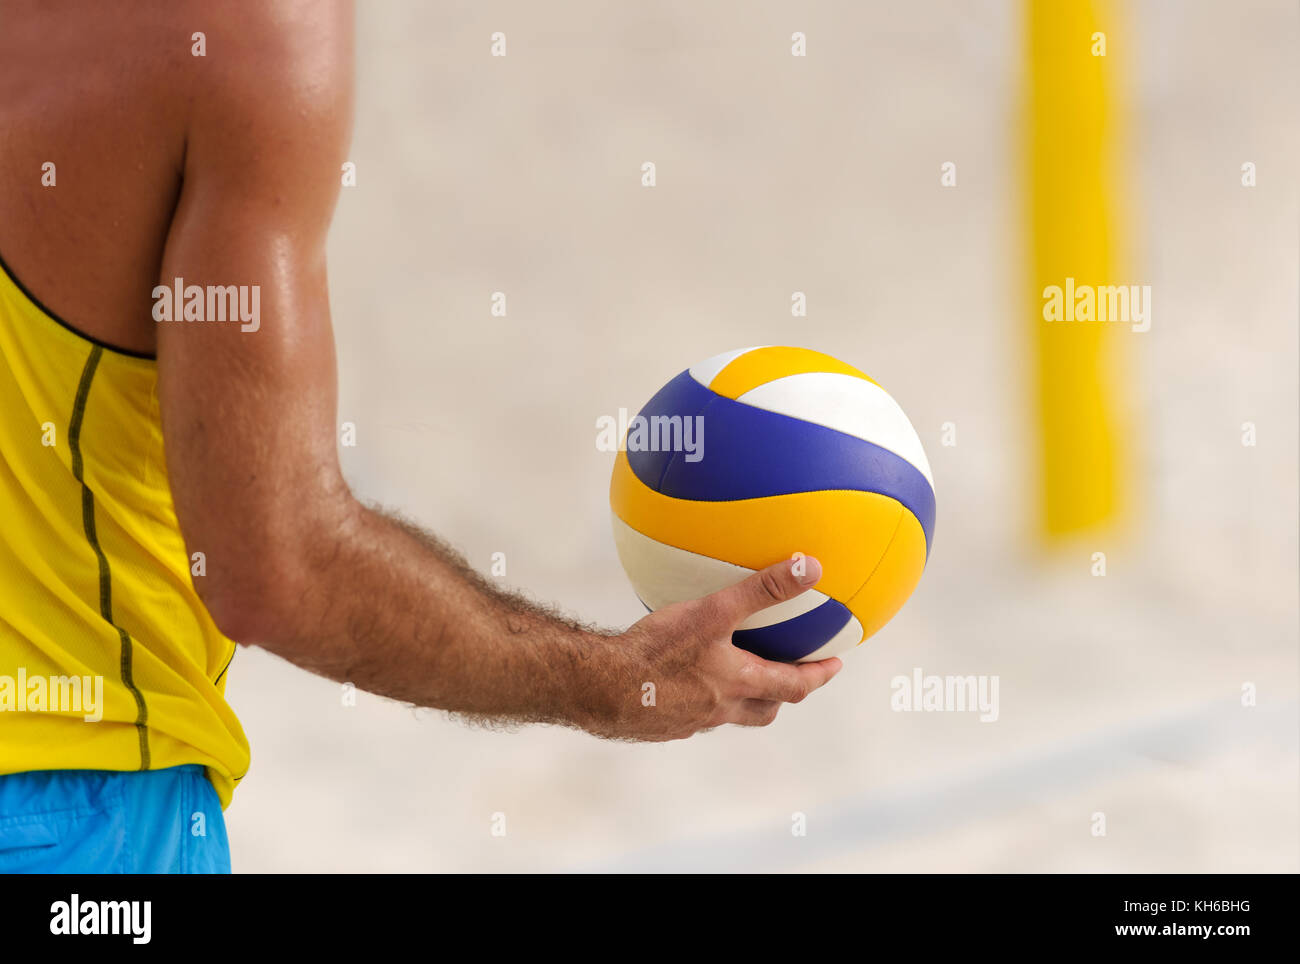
806, 569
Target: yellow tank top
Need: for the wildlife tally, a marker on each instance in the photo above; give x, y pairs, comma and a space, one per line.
95, 581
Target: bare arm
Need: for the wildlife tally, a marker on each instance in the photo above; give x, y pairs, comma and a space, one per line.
294, 562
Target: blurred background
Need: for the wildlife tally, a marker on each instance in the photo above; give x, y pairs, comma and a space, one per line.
1119, 694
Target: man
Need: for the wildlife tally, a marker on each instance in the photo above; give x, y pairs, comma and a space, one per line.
169, 487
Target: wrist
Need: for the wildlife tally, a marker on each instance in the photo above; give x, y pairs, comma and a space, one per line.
603, 685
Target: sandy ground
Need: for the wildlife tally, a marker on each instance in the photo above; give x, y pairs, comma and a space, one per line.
1118, 695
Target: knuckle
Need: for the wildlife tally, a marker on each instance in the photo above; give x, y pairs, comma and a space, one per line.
709, 713
722, 618
711, 613
787, 689
748, 676
771, 587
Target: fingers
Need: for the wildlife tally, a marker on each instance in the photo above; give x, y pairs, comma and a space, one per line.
755, 713
820, 673
767, 587
783, 683
791, 682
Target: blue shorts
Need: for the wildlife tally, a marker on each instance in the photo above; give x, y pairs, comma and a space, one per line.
107, 822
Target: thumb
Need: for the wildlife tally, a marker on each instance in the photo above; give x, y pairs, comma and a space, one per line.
767, 587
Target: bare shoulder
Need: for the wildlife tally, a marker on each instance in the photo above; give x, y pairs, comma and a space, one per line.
271, 104
273, 59
107, 109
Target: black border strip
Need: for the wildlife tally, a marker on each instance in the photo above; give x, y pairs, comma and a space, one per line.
233, 649
105, 574
40, 306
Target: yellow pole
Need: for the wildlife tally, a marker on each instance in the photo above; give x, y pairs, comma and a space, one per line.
1072, 141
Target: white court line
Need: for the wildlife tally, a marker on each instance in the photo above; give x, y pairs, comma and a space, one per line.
889, 815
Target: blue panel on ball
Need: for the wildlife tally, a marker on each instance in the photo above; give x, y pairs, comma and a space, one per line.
682, 398
750, 453
797, 637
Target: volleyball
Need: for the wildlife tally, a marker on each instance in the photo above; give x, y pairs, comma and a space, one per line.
753, 455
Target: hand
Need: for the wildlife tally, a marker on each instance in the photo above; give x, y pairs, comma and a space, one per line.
701, 680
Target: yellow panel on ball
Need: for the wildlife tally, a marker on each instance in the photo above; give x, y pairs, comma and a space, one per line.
753, 455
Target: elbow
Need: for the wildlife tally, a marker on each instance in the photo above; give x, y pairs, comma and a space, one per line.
258, 605
262, 579
245, 621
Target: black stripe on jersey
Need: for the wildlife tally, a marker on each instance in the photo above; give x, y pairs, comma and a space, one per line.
105, 574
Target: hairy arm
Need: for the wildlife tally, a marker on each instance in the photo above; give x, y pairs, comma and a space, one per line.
294, 562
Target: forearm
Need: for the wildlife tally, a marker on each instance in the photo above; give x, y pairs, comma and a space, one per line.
390, 608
